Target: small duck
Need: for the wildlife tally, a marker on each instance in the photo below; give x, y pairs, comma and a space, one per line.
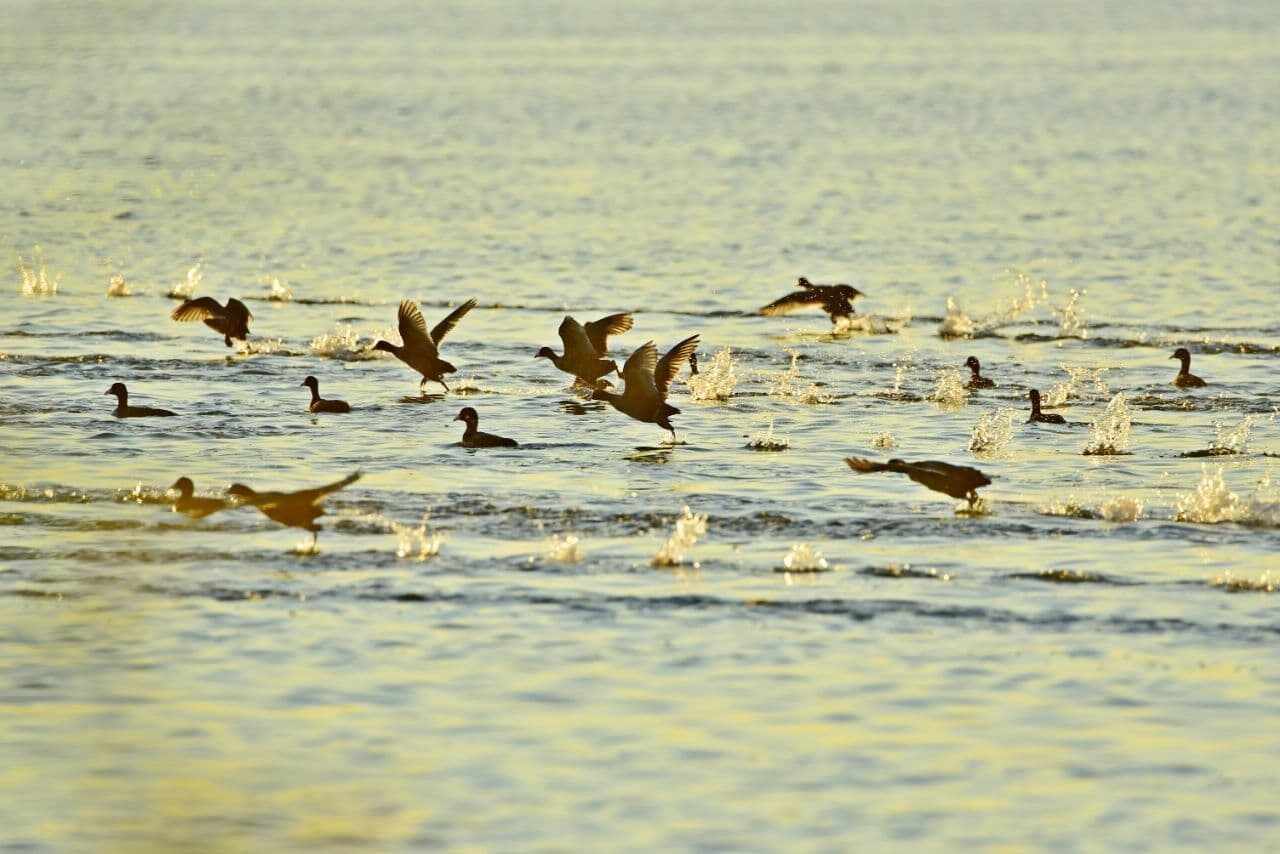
230, 321
1041, 417
295, 509
1186, 379
124, 410
473, 438
319, 404
956, 481
977, 380
836, 300
646, 381
421, 350
195, 506
585, 347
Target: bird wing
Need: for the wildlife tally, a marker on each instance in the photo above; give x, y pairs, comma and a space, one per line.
598, 331
637, 371
669, 365
199, 309
311, 496
864, 466
443, 327
952, 471
792, 301
238, 310
577, 343
413, 329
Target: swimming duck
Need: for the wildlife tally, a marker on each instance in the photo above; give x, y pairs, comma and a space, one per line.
421, 350
473, 438
646, 381
230, 321
124, 410
319, 404
977, 380
189, 504
1186, 379
836, 300
1041, 417
585, 346
296, 509
956, 481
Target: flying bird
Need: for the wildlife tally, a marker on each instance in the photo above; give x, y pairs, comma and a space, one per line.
472, 437
229, 321
585, 347
646, 381
957, 481
124, 410
836, 300
295, 509
421, 350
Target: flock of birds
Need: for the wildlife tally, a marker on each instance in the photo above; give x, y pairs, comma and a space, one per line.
646, 377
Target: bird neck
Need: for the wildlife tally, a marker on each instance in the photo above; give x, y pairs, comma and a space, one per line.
315, 392
1186, 365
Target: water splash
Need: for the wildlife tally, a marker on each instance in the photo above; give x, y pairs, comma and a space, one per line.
187, 289
1121, 508
716, 379
276, 291
993, 434
1211, 502
1071, 318
1110, 430
345, 344
1083, 382
117, 287
804, 558
467, 386
767, 441
950, 390
416, 542
1268, 582
689, 527
789, 386
563, 548
958, 324
34, 277
884, 441
1234, 439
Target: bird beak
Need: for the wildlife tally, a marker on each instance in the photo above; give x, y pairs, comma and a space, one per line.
108, 391
457, 418
1174, 356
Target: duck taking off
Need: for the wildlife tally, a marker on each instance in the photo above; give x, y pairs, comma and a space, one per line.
319, 404
229, 321
585, 347
836, 300
124, 410
646, 381
957, 481
473, 438
1186, 379
421, 349
295, 509
189, 504
977, 380
1042, 417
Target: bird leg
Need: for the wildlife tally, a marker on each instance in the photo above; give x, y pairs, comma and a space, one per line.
442, 382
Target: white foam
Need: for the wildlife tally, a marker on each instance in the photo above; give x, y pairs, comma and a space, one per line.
276, 290
187, 289
958, 324
884, 441
563, 548
804, 558
1110, 430
1211, 502
34, 277
1071, 317
950, 390
1121, 508
767, 441
716, 379
117, 287
689, 528
1083, 382
993, 433
789, 386
416, 542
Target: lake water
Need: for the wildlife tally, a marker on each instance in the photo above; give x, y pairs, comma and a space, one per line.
1088, 662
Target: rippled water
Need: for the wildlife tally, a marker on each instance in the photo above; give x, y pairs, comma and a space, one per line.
483, 653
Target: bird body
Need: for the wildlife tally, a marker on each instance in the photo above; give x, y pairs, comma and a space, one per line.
230, 321
421, 349
319, 404
976, 379
295, 509
836, 300
585, 346
1042, 417
1186, 379
956, 481
124, 410
647, 380
472, 437
195, 506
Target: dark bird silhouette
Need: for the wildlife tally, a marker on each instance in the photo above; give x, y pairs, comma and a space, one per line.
646, 381
319, 404
296, 509
956, 481
124, 410
693, 363
585, 347
835, 300
1186, 379
189, 504
473, 438
1042, 417
421, 350
229, 321
977, 380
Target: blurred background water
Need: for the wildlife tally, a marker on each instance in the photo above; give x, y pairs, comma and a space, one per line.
1089, 663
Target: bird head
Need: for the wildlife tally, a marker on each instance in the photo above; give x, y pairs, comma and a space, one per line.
467, 416
1182, 353
972, 364
385, 346
117, 389
544, 353
183, 486
312, 382
1034, 395
239, 490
